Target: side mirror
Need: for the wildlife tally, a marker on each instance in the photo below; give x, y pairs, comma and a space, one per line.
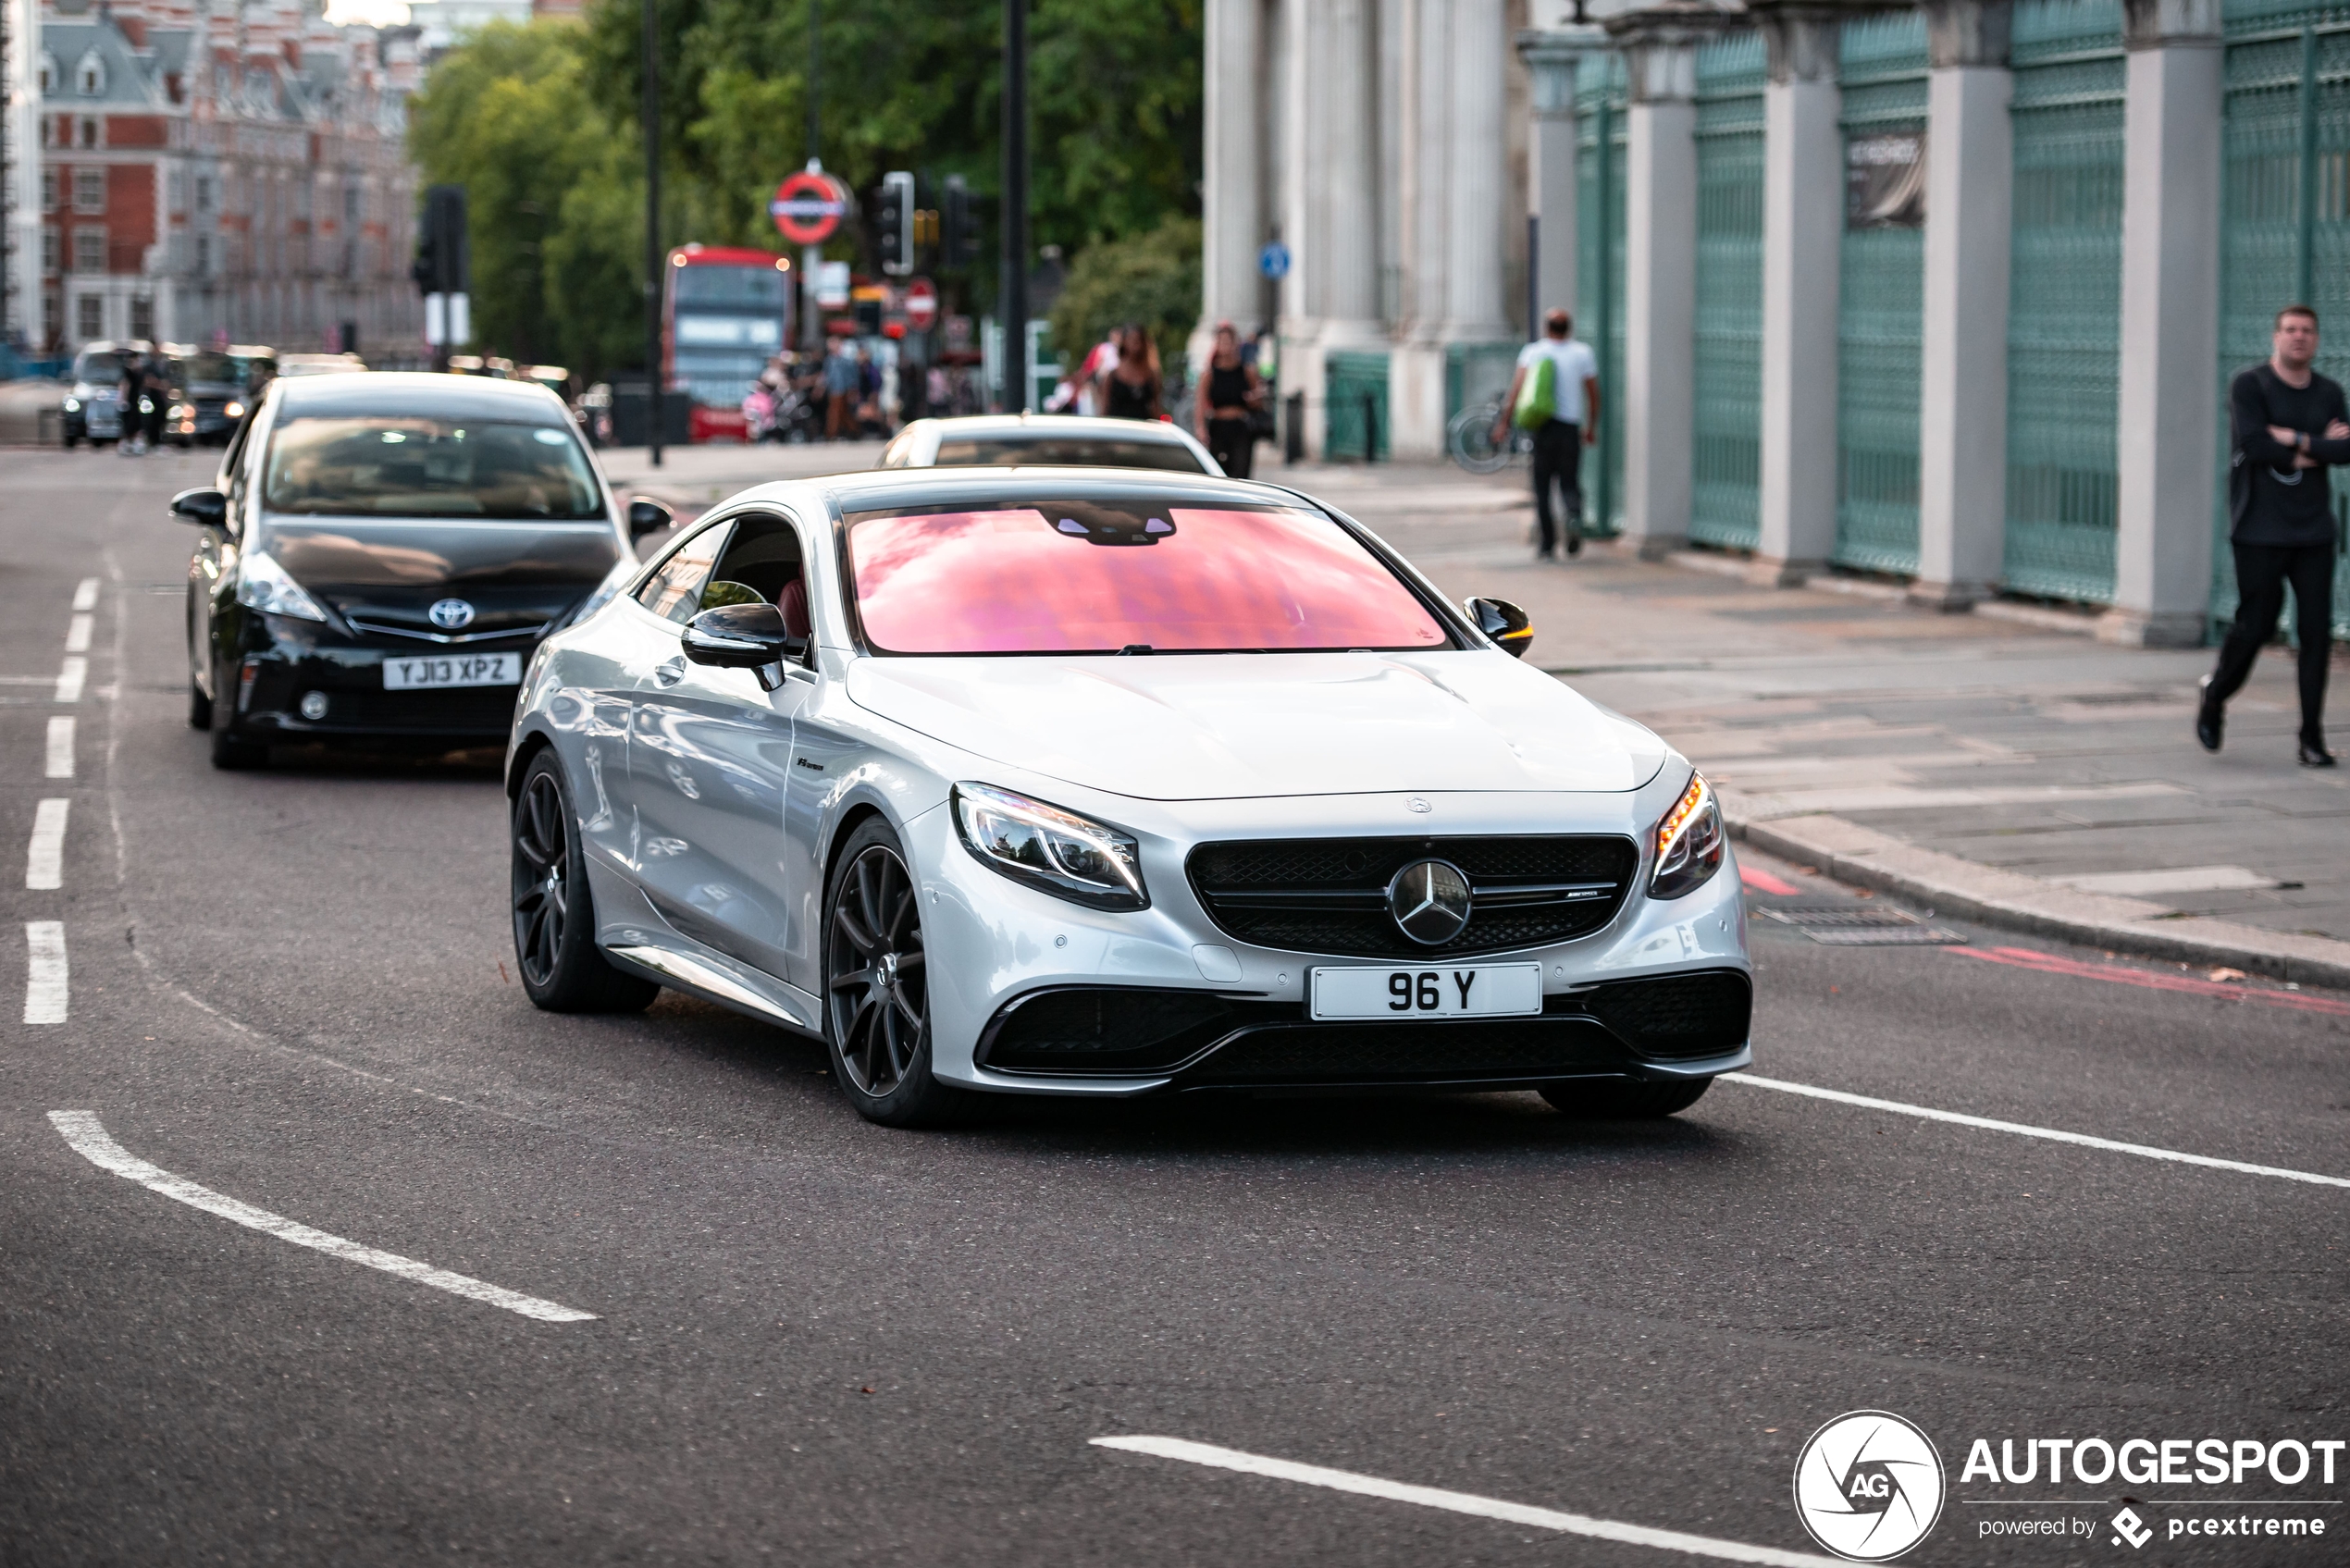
744, 636
1504, 622
204, 507
646, 517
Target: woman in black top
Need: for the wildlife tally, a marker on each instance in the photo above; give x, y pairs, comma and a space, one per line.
2289, 424
1130, 389
1228, 394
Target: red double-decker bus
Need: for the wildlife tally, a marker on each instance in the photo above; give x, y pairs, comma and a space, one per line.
726, 311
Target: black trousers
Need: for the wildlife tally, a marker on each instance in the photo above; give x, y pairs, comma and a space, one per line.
1231, 446
2262, 571
1558, 458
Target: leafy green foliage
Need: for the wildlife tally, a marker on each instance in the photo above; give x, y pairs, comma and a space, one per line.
1153, 280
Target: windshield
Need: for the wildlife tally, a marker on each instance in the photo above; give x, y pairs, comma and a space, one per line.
1067, 451
234, 370
1109, 577
408, 466
98, 365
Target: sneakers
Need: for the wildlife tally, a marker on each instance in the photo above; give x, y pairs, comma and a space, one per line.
2210, 719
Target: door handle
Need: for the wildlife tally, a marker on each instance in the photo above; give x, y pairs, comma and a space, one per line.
669, 674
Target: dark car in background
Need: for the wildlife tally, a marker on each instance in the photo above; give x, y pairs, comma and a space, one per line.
92, 405
213, 389
382, 554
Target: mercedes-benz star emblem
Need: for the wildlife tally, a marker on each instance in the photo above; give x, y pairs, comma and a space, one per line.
452, 615
1430, 901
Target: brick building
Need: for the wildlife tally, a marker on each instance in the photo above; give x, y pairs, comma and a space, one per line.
222, 169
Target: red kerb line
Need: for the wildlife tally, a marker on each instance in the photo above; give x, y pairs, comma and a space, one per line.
2050, 963
1764, 881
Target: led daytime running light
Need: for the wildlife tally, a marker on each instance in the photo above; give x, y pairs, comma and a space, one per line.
1690, 844
1676, 820
1065, 855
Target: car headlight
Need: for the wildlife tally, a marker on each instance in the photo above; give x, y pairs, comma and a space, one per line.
1067, 856
1690, 842
73, 405
262, 584
235, 411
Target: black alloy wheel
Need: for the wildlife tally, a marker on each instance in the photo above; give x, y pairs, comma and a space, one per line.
876, 986
554, 919
1624, 1099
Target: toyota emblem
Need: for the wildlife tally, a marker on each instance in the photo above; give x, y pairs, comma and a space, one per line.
452, 615
1430, 901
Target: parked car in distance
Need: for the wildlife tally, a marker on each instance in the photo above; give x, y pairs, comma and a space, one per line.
380, 556
318, 365
213, 389
1056, 441
92, 405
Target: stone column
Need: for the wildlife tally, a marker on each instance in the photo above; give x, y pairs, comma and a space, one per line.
1232, 205
1416, 364
1962, 392
1475, 309
2170, 323
1658, 399
1555, 193
1802, 233
1329, 217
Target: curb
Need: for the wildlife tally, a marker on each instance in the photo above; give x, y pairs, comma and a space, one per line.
1866, 857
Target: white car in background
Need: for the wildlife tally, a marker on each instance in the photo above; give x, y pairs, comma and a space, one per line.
1054, 441
1104, 781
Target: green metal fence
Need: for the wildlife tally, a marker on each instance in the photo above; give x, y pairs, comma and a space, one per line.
1881, 313
1725, 498
1599, 271
2285, 234
1355, 393
2064, 313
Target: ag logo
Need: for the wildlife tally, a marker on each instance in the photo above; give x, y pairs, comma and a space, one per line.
451, 614
1868, 1486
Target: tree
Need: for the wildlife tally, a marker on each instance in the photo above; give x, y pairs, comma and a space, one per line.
1153, 280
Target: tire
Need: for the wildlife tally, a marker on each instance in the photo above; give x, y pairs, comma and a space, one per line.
199, 708
1470, 440
1619, 1099
877, 994
229, 754
554, 916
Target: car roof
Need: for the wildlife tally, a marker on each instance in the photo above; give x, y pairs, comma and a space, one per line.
878, 489
377, 394
1058, 425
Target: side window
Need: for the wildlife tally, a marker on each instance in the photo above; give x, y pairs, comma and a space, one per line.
232, 469
675, 590
760, 564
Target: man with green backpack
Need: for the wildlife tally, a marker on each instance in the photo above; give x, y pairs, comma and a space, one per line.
1556, 395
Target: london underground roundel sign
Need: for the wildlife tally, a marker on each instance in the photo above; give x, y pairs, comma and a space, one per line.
808, 207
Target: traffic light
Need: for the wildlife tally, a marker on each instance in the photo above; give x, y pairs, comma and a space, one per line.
896, 224
959, 242
444, 256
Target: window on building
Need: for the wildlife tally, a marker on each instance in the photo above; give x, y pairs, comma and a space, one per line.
90, 316
48, 190
142, 319
89, 249
52, 315
52, 248
86, 131
205, 193
89, 190
50, 75
90, 76
351, 204
204, 256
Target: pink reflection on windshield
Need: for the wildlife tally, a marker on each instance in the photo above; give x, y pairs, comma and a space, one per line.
1006, 581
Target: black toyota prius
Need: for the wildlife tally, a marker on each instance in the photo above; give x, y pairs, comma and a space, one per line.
381, 555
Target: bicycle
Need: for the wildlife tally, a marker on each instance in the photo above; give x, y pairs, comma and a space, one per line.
1468, 439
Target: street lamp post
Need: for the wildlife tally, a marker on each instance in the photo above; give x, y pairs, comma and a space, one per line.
1015, 288
653, 258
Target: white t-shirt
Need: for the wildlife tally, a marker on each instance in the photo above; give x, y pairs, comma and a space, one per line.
1575, 362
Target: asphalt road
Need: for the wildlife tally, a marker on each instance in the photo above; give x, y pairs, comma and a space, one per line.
818, 1341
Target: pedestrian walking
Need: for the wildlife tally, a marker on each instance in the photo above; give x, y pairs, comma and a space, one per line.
1130, 388
1555, 395
2289, 425
131, 442
840, 391
1228, 394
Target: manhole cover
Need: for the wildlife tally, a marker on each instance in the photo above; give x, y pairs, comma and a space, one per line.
1843, 925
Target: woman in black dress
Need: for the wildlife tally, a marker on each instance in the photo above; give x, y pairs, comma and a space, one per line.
1229, 393
1130, 390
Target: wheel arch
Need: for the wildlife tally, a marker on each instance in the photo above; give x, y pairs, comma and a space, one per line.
526, 749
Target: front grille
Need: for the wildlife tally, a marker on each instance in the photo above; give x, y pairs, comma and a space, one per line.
1672, 1018
1330, 894
379, 625
1464, 1051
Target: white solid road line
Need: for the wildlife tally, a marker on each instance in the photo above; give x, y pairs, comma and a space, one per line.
82, 1128
44, 857
70, 674
61, 748
78, 633
85, 594
1461, 1503
45, 971
2023, 1130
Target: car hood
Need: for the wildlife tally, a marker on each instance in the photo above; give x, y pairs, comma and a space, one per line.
1221, 726
517, 575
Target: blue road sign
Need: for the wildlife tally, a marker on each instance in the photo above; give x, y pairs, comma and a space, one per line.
1273, 259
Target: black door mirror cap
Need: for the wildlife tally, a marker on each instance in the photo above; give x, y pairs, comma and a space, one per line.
1510, 628
203, 506
646, 516
744, 636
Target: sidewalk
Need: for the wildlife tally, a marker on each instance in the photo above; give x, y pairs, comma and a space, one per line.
2000, 769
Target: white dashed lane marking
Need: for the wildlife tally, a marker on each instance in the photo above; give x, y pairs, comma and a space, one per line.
44, 857
85, 594
60, 764
45, 971
1463, 1503
2023, 1130
78, 633
70, 676
88, 1138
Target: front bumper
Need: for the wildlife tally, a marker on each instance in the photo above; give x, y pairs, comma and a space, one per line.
995, 949
297, 660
